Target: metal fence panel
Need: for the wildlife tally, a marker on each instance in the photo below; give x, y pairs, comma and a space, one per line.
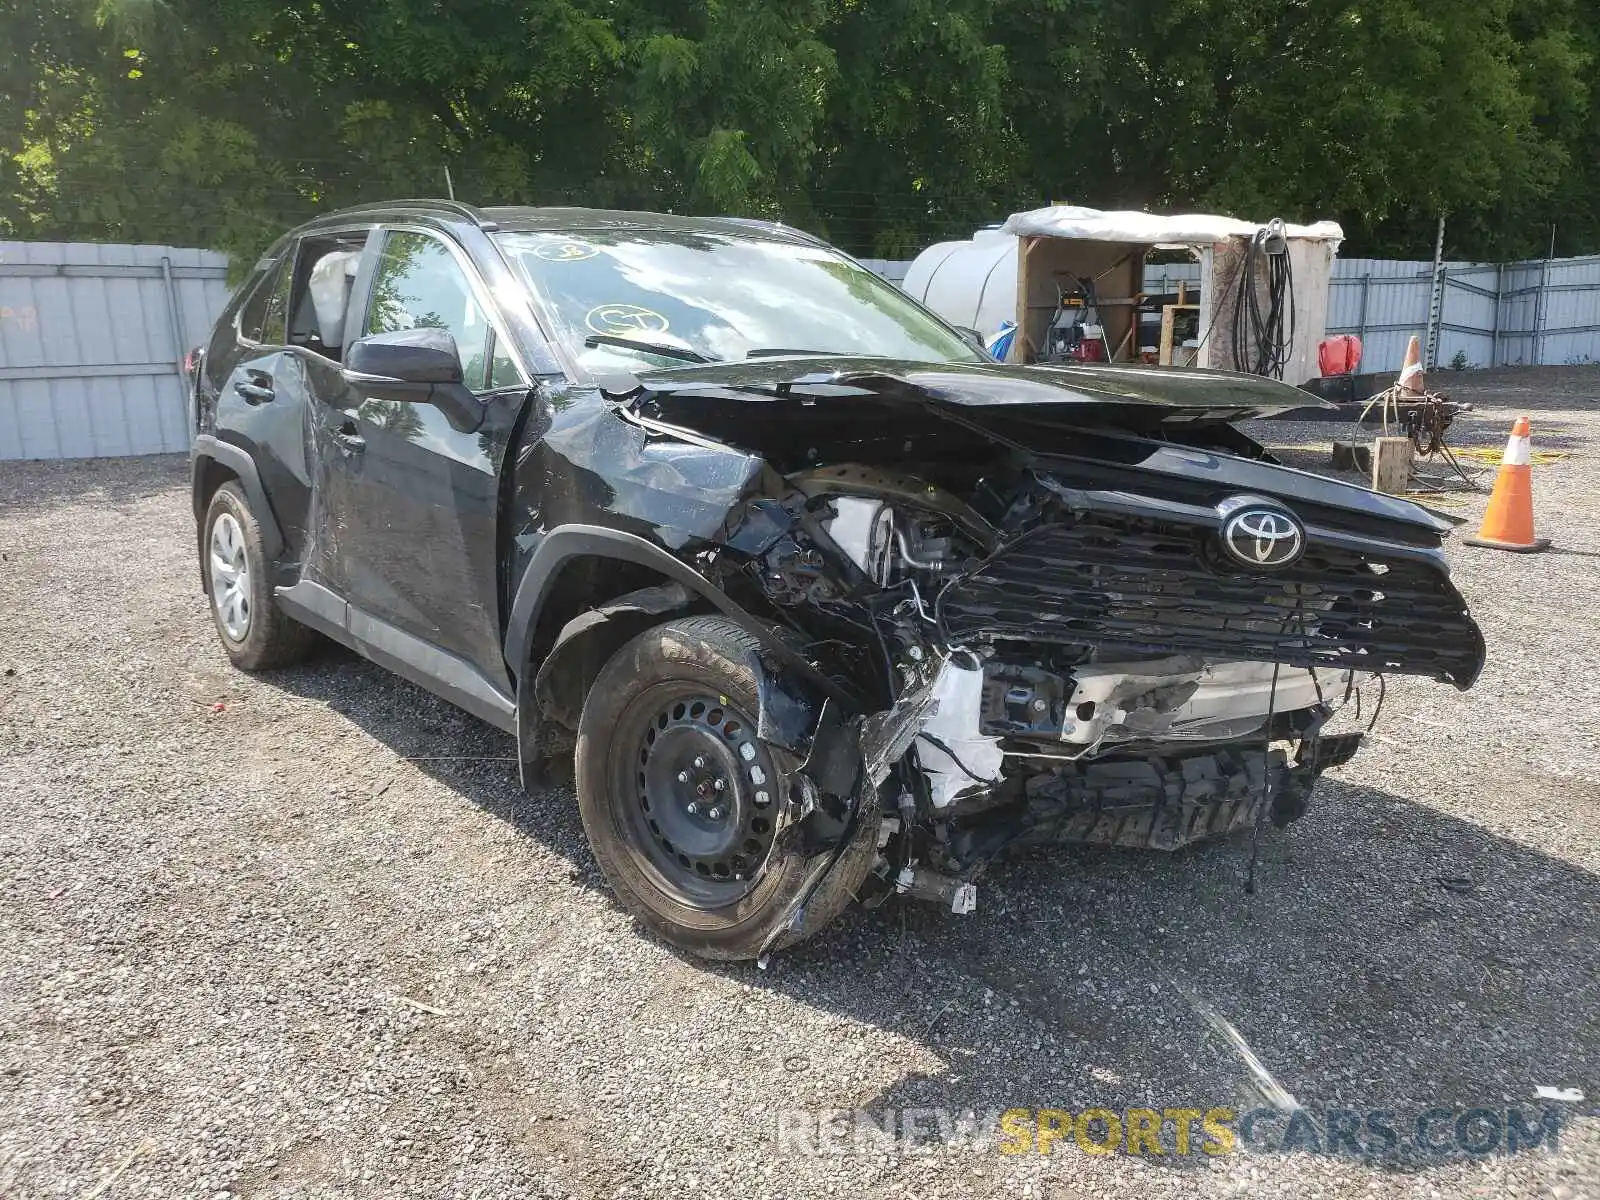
1467, 320
1570, 321
1163, 278
1379, 300
892, 269
1519, 309
89, 356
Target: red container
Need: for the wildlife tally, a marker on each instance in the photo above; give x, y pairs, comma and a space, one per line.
1339, 355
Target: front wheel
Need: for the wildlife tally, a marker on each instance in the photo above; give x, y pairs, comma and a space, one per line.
681, 800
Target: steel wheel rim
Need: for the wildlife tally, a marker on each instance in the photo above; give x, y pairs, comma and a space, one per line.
704, 846
230, 577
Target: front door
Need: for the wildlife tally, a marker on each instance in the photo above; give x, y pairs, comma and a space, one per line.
416, 498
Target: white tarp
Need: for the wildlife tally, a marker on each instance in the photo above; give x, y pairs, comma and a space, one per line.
1150, 229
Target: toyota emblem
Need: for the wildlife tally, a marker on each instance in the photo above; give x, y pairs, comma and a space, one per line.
1263, 537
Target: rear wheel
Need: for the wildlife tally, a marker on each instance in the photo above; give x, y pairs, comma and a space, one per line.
256, 635
681, 800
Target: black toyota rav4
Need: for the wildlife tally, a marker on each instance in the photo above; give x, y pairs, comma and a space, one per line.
824, 604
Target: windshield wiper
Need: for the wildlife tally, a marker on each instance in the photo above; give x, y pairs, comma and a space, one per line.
665, 351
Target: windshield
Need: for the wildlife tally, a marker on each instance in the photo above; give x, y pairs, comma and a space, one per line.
718, 297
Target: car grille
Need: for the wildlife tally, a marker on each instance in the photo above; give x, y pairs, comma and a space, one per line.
1100, 582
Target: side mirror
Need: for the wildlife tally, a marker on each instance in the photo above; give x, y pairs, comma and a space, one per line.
420, 365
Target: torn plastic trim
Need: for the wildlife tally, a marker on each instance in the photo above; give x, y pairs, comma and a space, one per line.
789, 716
835, 767
887, 735
862, 751
787, 704
596, 634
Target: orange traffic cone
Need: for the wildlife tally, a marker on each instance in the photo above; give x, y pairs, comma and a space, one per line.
1508, 523
1411, 379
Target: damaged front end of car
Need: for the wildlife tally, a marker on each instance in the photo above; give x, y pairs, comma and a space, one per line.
1008, 608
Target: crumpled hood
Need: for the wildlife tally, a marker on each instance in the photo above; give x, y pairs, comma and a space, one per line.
1100, 427
1137, 397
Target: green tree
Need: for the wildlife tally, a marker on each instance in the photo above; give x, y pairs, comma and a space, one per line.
884, 124
1382, 113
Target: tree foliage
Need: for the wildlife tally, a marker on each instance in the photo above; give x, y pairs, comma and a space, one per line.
882, 124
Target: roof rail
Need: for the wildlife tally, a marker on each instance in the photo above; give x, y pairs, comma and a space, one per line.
457, 207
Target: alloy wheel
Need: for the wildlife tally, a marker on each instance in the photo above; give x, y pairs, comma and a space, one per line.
230, 577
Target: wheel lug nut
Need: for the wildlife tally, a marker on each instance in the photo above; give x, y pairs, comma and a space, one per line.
699, 763
719, 784
693, 808
683, 777
716, 813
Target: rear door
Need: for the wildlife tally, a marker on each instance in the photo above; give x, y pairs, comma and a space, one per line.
259, 395
416, 501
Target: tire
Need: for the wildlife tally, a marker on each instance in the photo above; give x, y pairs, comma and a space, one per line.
681, 700
254, 631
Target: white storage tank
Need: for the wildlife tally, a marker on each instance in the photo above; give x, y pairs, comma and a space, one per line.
971, 283
1040, 267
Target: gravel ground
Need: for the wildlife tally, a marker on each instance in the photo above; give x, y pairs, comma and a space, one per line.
301, 934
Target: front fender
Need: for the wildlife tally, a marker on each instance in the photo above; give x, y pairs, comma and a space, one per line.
574, 541
792, 692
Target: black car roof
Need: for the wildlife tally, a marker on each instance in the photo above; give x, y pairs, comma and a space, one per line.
558, 220
574, 219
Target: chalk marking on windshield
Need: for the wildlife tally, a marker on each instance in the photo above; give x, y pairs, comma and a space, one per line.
559, 252
619, 320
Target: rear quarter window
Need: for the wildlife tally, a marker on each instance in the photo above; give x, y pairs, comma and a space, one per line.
261, 315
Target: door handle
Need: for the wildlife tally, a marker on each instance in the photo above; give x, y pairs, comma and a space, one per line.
349, 437
255, 388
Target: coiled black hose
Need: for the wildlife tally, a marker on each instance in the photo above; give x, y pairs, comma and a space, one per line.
1263, 338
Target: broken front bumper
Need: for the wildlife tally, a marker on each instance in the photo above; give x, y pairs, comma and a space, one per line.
1110, 702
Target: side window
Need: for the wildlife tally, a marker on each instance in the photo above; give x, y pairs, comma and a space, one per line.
317, 301
418, 284
275, 324
253, 313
